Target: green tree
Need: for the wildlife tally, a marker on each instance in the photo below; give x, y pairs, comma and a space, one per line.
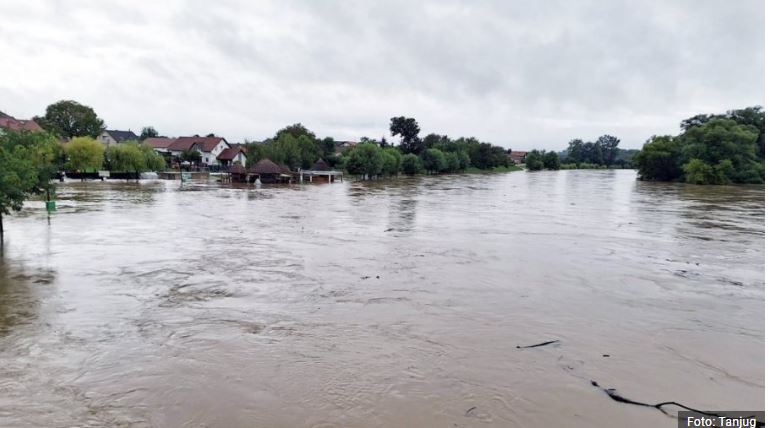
698, 172
44, 151
255, 151
482, 155
724, 139
534, 160
69, 119
309, 151
697, 120
551, 161
433, 161
133, 157
125, 157
435, 141
576, 152
464, 160
751, 116
392, 161
328, 148
411, 164
408, 129
296, 130
452, 161
191, 155
84, 154
608, 147
148, 132
154, 160
285, 150
365, 159
27, 165
659, 159
17, 179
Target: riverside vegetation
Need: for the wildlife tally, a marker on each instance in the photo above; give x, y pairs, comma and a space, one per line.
723, 148
297, 147
711, 149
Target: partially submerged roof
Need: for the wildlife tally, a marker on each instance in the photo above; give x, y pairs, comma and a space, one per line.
284, 168
320, 165
265, 166
237, 169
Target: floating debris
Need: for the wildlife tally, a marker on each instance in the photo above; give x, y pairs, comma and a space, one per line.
537, 345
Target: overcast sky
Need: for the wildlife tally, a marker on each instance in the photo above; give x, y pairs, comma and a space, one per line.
521, 74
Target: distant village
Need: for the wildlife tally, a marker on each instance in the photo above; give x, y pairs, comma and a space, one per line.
211, 154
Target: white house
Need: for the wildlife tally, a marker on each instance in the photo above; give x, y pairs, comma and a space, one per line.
232, 155
112, 137
209, 147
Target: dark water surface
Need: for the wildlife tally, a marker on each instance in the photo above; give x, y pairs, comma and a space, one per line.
395, 303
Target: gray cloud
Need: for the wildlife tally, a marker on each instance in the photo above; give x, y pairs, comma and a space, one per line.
522, 74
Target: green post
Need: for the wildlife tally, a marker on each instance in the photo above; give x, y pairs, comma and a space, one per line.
50, 206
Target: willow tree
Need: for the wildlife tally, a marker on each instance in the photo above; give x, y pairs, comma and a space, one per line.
84, 153
133, 157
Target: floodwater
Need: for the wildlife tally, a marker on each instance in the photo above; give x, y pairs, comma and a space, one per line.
383, 304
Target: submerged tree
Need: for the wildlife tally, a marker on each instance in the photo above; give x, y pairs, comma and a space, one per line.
83, 154
133, 157
660, 159
365, 159
433, 161
28, 162
411, 164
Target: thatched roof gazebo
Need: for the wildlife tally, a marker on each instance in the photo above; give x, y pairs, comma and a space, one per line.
237, 168
320, 171
285, 169
320, 165
238, 173
265, 166
267, 171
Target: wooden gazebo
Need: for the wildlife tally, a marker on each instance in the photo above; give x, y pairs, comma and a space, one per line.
320, 171
268, 171
238, 173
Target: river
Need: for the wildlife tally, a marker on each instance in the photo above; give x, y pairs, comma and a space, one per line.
379, 304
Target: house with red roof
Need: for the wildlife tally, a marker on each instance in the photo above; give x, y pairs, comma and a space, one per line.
160, 144
13, 124
209, 147
517, 157
236, 153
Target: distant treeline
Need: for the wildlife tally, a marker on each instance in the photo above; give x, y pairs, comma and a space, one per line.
297, 147
711, 149
603, 153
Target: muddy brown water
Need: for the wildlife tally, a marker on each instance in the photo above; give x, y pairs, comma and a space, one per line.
391, 303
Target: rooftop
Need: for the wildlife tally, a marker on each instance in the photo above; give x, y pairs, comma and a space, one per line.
206, 144
121, 136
